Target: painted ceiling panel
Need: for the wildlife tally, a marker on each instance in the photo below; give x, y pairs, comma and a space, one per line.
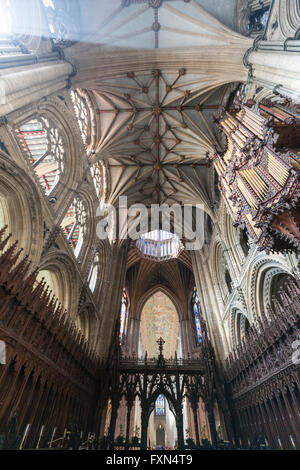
159, 319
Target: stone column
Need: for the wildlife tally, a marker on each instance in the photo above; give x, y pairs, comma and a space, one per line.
210, 304
133, 335
187, 337
277, 70
24, 85
111, 294
273, 60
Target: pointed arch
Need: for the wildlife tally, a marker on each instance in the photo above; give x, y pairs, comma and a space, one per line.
20, 208
159, 318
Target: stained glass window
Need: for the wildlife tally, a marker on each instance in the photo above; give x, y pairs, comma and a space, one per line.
94, 272
123, 317
197, 312
43, 145
258, 20
160, 406
74, 224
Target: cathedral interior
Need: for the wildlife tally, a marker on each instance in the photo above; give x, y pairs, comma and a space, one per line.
137, 341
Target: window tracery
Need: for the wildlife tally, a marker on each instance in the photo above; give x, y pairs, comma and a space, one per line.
43, 145
196, 313
160, 408
74, 224
240, 326
84, 114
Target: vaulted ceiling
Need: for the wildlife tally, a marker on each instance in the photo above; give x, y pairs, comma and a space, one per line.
145, 277
150, 24
154, 131
157, 72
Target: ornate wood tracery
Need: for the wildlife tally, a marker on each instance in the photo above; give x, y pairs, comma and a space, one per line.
259, 171
262, 375
147, 378
50, 377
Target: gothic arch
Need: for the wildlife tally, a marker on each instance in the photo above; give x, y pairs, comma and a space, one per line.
239, 325
61, 274
162, 390
86, 322
168, 292
55, 109
273, 279
261, 275
20, 208
147, 297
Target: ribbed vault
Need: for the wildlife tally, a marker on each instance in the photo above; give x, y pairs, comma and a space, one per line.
155, 130
153, 24
157, 72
